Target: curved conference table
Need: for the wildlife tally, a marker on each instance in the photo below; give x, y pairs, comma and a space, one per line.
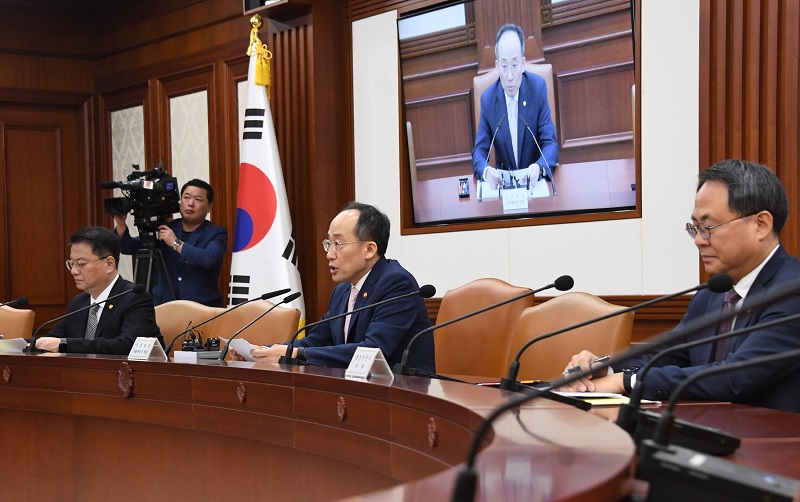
77, 427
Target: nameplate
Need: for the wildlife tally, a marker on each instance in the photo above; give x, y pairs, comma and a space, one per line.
184, 356
368, 362
515, 198
146, 349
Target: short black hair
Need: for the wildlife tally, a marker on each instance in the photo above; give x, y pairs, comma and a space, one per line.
200, 184
503, 30
372, 225
752, 187
104, 242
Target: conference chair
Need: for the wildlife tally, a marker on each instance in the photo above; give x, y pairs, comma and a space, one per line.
175, 317
16, 323
482, 82
546, 359
276, 327
478, 345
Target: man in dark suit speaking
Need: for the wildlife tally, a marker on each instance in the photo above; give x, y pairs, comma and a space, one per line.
355, 248
516, 99
739, 210
113, 326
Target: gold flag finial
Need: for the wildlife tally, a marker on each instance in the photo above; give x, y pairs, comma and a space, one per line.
263, 54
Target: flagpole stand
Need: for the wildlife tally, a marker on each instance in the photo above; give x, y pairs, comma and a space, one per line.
144, 268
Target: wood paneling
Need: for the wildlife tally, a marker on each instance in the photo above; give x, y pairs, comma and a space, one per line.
749, 84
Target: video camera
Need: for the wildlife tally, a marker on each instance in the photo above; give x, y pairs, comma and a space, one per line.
152, 196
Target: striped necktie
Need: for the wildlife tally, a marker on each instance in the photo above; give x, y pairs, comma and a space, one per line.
731, 297
91, 323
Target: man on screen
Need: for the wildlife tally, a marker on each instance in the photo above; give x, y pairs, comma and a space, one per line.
739, 210
357, 240
516, 99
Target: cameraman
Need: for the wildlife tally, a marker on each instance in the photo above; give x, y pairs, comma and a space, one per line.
192, 248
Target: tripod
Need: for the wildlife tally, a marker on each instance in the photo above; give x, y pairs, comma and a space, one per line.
144, 268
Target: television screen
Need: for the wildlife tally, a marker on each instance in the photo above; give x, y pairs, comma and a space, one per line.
518, 114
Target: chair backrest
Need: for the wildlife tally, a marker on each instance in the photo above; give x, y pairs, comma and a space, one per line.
174, 317
546, 359
16, 323
482, 82
276, 327
478, 345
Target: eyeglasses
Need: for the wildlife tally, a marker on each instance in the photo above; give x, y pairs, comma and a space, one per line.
336, 245
513, 68
78, 265
705, 230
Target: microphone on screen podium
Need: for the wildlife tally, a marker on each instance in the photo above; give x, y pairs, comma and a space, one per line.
190, 329
425, 291
548, 171
489, 151
718, 284
287, 299
674, 471
464, 489
22, 301
137, 289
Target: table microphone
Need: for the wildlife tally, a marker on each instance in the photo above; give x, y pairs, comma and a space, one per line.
265, 296
136, 289
425, 291
466, 480
22, 301
288, 299
708, 478
547, 169
562, 283
718, 283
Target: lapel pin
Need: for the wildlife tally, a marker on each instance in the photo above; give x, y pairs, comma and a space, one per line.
110, 307
524, 103
364, 295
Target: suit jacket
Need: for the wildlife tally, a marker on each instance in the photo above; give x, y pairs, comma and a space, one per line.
534, 109
771, 386
194, 272
388, 327
123, 319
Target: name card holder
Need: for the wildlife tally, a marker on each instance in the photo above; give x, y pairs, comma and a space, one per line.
147, 349
515, 198
368, 362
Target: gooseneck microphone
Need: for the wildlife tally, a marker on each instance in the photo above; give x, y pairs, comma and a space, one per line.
467, 477
425, 291
265, 296
22, 301
666, 466
562, 283
718, 284
697, 437
547, 168
137, 289
288, 299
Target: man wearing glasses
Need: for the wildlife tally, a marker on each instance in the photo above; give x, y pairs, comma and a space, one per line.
110, 327
355, 247
518, 99
739, 211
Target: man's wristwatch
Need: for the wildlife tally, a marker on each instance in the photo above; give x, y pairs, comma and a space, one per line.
627, 375
177, 244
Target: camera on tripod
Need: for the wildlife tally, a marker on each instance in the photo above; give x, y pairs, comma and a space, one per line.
152, 196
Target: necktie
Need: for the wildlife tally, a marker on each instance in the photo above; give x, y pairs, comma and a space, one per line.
350, 304
512, 126
91, 324
731, 297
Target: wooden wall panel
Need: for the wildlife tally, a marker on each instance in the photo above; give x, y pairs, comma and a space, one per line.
749, 72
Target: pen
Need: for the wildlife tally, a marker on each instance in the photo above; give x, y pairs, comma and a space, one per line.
576, 369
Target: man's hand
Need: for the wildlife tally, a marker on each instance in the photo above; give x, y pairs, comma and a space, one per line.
611, 383
583, 360
271, 354
167, 235
119, 224
536, 172
48, 343
491, 175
